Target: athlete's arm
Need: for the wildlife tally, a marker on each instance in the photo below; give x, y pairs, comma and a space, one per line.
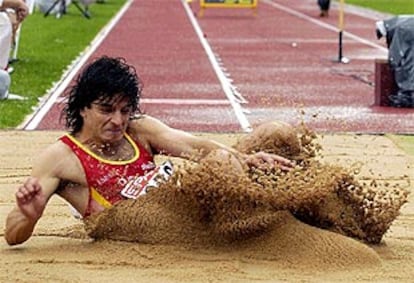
31, 198
166, 140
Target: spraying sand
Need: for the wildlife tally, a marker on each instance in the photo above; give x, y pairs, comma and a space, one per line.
208, 226
213, 205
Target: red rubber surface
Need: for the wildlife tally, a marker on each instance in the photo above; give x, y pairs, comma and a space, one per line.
279, 81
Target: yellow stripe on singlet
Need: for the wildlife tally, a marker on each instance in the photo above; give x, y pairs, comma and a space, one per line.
100, 199
136, 156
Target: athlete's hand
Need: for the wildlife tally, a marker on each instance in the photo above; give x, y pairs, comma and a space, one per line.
263, 160
30, 199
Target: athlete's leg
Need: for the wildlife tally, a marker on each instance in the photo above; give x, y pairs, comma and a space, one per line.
273, 137
5, 39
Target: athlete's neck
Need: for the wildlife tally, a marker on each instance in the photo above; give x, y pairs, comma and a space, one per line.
117, 150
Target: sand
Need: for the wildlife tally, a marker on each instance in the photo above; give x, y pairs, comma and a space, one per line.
280, 248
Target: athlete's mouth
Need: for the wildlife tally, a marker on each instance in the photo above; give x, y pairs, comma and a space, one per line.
115, 131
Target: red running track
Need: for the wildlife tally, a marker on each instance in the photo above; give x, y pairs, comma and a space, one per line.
283, 62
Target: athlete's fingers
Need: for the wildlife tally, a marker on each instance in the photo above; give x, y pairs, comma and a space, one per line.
263, 160
284, 162
28, 190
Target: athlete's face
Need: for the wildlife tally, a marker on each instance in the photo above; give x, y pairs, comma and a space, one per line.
106, 121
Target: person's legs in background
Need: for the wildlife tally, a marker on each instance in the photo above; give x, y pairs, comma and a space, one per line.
5, 46
6, 33
324, 7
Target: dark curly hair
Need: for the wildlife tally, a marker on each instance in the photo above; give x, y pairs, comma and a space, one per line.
104, 79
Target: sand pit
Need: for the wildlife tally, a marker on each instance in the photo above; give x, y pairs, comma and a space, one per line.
268, 245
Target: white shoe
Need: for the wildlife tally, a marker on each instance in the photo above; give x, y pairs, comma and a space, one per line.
380, 29
16, 97
10, 69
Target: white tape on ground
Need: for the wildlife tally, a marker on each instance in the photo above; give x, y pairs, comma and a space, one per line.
228, 88
325, 25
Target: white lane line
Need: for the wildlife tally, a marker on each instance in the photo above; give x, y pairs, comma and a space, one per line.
325, 25
232, 94
50, 98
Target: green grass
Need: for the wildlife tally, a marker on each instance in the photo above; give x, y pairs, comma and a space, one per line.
47, 46
396, 7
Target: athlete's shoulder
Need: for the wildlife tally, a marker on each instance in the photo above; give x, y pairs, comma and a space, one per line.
57, 147
144, 119
55, 158
143, 124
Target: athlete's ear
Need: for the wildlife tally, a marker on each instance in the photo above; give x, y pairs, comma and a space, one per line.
82, 113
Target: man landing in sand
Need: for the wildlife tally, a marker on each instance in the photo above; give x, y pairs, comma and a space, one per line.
108, 150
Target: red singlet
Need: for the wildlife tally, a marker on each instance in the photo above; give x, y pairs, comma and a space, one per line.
107, 178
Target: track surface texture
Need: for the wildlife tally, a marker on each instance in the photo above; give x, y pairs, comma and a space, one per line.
231, 69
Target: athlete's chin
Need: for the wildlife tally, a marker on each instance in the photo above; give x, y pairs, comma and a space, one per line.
113, 136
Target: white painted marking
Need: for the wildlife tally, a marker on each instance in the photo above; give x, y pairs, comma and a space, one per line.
325, 25
225, 82
33, 121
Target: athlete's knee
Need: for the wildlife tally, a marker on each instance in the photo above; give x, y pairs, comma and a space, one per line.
274, 137
223, 158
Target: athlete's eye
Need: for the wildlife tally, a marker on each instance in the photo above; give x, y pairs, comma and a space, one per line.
105, 110
126, 110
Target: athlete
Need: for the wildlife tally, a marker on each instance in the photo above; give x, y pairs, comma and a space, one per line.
108, 153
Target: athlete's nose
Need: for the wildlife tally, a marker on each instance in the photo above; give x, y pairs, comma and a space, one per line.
117, 118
